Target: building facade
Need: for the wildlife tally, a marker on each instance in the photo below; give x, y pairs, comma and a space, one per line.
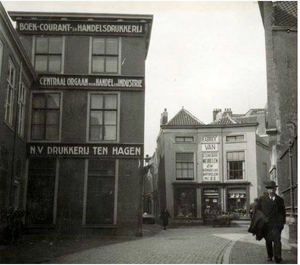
85, 137
16, 78
280, 20
204, 169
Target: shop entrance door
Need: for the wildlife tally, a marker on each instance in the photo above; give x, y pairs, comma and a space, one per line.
210, 205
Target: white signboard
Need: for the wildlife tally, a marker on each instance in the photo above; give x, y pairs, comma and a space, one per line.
210, 166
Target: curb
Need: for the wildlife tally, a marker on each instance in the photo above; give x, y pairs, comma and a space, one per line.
227, 253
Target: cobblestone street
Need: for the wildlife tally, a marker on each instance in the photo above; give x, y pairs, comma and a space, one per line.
184, 245
190, 245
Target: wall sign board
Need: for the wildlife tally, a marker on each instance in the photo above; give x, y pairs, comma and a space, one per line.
85, 150
88, 81
81, 28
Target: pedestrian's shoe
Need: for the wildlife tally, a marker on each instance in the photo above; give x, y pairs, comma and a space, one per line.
269, 259
278, 259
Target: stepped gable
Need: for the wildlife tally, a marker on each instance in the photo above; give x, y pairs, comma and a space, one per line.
184, 118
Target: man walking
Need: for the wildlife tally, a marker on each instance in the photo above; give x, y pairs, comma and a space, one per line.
273, 208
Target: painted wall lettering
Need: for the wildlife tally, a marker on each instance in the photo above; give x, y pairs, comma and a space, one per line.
81, 28
63, 81
85, 150
210, 166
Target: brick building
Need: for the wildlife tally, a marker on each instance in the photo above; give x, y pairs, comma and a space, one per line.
280, 21
84, 142
16, 77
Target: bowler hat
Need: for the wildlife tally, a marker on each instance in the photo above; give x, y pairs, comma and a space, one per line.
270, 184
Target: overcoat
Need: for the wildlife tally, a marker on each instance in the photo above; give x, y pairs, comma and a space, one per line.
164, 216
274, 211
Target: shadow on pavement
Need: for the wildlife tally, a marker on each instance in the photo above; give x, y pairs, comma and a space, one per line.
250, 251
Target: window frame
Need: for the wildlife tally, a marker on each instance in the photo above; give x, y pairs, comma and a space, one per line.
235, 138
10, 93
1, 58
242, 169
59, 118
184, 167
22, 109
105, 55
34, 54
117, 110
184, 139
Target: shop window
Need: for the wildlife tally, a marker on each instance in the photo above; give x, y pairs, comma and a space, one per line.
235, 165
237, 201
185, 166
48, 54
45, 121
184, 139
10, 93
185, 203
41, 190
105, 55
103, 117
22, 105
100, 192
235, 138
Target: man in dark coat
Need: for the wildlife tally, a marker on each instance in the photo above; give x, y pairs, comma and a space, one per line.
273, 208
164, 216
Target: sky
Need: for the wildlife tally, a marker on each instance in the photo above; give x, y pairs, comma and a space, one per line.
202, 55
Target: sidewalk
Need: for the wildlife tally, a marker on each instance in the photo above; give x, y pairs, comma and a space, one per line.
248, 250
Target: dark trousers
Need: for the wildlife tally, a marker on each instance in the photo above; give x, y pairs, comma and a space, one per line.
274, 237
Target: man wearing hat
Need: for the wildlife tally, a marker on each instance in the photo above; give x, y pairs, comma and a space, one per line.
273, 207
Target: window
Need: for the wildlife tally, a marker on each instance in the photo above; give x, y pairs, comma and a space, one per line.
48, 54
235, 138
11, 83
105, 55
185, 166
21, 103
41, 191
184, 139
185, 203
103, 117
45, 116
237, 201
1, 58
236, 165
100, 192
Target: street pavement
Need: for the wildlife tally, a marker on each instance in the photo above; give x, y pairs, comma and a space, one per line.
178, 245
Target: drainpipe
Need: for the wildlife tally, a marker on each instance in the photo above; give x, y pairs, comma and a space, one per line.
292, 216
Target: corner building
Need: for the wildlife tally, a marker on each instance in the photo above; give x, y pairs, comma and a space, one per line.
86, 135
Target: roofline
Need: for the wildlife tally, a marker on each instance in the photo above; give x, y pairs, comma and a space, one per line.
148, 19
206, 126
16, 15
17, 41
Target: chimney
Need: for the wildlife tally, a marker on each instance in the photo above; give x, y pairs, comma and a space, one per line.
261, 119
164, 117
227, 112
215, 114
